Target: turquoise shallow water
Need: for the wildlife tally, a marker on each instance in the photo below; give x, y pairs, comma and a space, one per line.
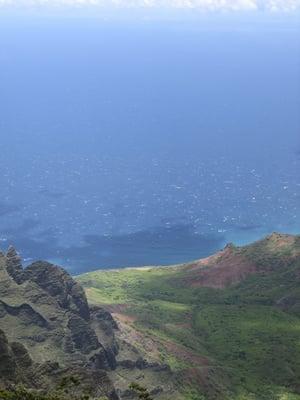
132, 144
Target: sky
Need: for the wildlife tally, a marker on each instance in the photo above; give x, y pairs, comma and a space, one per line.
214, 5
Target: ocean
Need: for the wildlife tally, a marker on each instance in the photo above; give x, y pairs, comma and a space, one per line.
146, 142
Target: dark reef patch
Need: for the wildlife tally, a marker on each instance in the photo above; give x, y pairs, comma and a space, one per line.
155, 246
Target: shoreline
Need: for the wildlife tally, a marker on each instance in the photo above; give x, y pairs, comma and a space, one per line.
149, 267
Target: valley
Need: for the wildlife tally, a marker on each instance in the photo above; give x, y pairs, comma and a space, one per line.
228, 325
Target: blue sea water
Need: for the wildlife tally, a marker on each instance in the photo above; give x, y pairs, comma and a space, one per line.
127, 143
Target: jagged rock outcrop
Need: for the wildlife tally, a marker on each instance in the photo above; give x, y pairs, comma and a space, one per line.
14, 264
25, 313
82, 334
104, 318
47, 330
20, 354
50, 333
8, 367
59, 285
15, 361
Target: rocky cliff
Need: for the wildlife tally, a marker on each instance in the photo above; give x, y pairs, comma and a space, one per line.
48, 333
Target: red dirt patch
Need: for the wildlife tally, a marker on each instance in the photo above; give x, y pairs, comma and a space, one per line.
116, 308
230, 266
186, 355
210, 379
128, 333
125, 318
223, 269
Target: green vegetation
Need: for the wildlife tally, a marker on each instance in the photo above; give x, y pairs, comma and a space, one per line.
67, 390
237, 343
141, 392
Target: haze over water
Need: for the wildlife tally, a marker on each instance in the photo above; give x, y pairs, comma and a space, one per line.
135, 142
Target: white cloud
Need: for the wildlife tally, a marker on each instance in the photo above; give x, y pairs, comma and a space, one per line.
232, 5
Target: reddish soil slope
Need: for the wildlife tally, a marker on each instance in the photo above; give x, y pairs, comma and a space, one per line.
233, 264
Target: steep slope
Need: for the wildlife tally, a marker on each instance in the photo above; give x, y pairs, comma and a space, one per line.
233, 264
228, 325
44, 315
48, 335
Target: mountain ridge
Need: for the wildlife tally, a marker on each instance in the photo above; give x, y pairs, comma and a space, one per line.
224, 327
200, 318
49, 335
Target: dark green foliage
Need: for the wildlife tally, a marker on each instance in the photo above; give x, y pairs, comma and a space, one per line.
142, 392
68, 384
64, 392
24, 394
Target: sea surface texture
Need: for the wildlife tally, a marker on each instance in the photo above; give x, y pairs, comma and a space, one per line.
126, 143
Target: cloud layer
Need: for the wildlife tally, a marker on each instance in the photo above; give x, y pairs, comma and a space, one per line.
232, 5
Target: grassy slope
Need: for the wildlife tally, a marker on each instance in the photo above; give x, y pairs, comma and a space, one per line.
234, 341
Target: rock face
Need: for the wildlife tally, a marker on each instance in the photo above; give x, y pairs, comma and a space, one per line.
60, 286
49, 333
47, 329
14, 264
8, 367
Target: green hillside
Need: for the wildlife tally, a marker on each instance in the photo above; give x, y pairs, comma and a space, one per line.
228, 326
